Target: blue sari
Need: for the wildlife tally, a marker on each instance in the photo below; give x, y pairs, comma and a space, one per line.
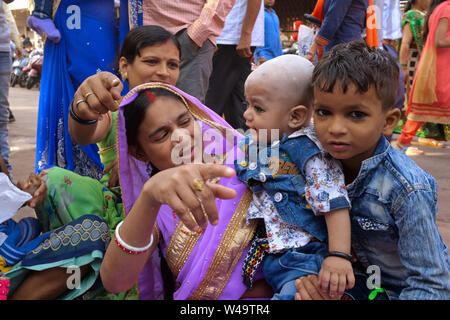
130, 17
88, 43
80, 242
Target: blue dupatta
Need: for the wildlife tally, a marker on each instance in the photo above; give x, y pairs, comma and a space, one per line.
88, 43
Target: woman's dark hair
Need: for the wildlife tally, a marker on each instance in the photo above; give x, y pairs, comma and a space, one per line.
134, 113
356, 63
433, 6
141, 37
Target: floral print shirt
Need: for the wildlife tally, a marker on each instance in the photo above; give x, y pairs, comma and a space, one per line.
324, 182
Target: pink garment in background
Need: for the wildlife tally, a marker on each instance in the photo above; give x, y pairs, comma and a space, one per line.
203, 18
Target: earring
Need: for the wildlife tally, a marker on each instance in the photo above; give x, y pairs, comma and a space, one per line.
124, 75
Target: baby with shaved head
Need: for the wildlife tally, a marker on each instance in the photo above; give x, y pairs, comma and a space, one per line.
299, 198
282, 88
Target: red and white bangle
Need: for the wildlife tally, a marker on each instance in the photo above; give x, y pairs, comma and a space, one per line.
126, 247
4, 287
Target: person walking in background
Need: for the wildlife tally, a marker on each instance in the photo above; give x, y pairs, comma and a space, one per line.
389, 29
392, 33
343, 21
243, 31
41, 20
429, 99
196, 25
410, 50
15, 42
413, 23
272, 39
87, 44
307, 33
5, 72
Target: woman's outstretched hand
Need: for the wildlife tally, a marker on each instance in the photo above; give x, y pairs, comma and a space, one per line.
101, 93
189, 191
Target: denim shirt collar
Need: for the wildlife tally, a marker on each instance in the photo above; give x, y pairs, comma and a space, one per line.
367, 165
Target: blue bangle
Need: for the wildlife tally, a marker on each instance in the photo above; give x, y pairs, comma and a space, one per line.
339, 255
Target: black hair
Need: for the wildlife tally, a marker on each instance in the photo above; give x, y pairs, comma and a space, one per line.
409, 5
433, 6
134, 113
356, 63
141, 37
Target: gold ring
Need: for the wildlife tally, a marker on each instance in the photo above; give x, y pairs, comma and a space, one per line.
88, 94
198, 184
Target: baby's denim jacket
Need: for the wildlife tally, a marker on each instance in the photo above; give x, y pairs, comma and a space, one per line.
285, 186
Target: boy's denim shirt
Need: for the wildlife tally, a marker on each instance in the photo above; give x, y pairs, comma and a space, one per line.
394, 206
285, 186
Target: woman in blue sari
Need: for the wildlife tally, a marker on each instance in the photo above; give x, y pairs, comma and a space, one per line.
88, 44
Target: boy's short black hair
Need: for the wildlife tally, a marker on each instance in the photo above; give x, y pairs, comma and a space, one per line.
355, 62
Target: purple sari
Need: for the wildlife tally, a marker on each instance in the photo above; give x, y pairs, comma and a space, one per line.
207, 266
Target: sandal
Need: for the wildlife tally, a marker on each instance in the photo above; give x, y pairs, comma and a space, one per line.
407, 149
400, 146
412, 151
431, 143
447, 132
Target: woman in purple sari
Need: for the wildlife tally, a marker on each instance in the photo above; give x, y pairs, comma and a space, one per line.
168, 203
184, 265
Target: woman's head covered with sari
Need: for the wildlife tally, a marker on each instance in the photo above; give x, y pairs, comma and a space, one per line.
206, 265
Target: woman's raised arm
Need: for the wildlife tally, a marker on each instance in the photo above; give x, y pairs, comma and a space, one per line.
89, 121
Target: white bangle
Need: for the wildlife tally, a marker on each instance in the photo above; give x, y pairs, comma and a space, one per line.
126, 247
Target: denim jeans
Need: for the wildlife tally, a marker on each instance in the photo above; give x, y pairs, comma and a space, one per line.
281, 270
5, 72
43, 9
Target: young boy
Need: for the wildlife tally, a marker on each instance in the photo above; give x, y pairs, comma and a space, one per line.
394, 202
272, 43
298, 190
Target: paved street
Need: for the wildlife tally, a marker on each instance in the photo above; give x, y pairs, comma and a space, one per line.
24, 104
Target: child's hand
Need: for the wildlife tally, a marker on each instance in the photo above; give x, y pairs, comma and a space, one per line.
35, 186
335, 276
113, 167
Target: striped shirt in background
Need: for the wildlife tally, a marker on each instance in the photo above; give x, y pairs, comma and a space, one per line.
204, 19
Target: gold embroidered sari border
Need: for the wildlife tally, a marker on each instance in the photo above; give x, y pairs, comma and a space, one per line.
234, 240
180, 247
